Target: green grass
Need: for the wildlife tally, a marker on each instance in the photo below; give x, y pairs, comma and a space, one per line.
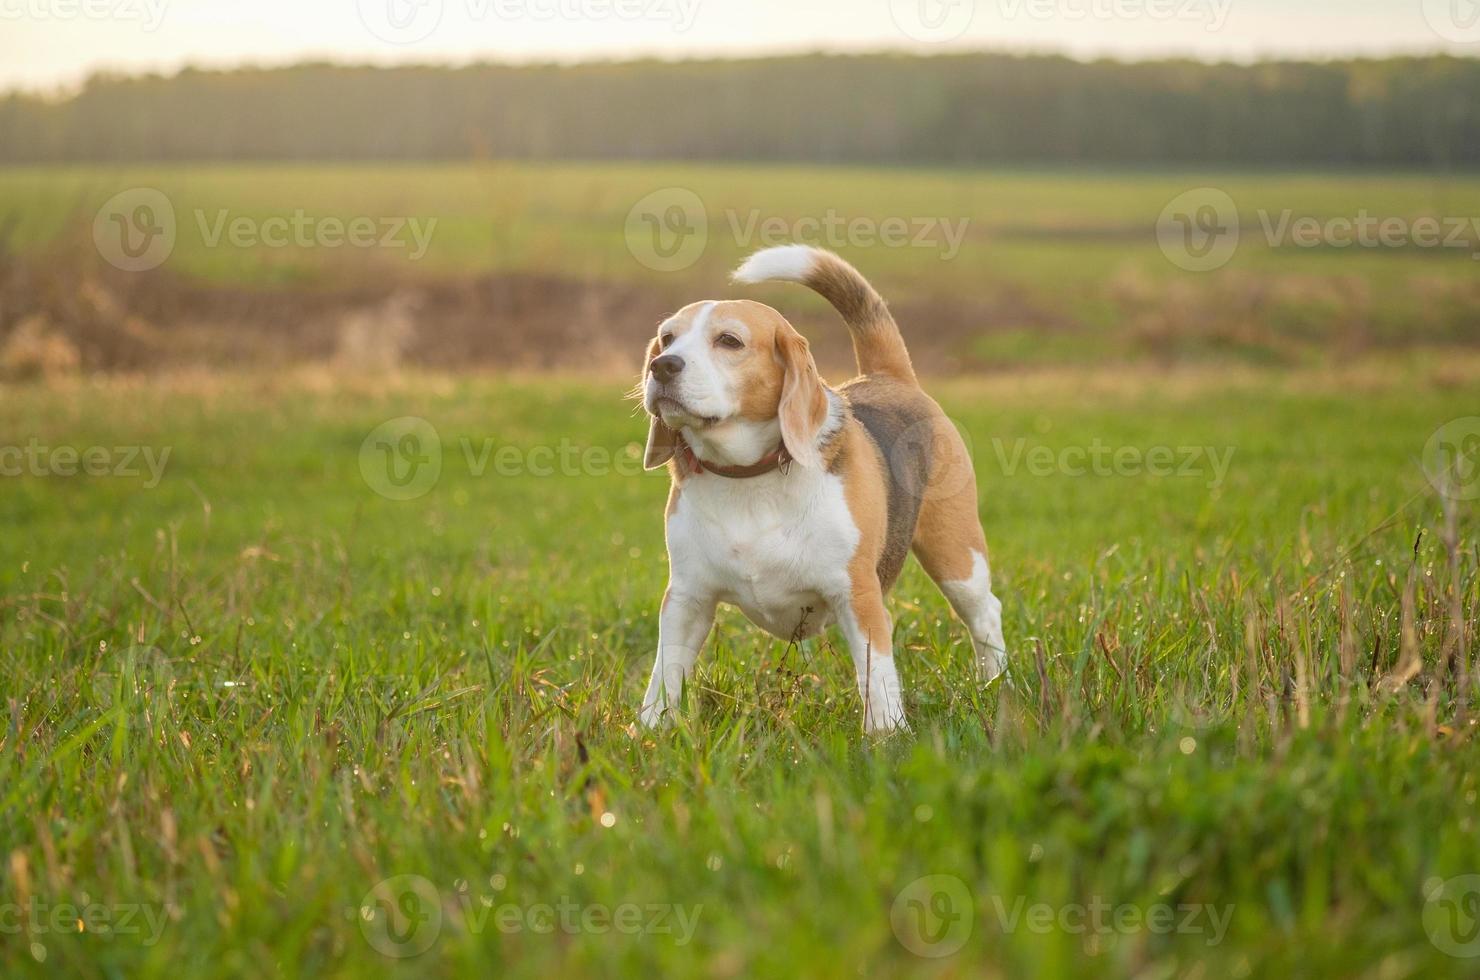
561, 217
242, 698
1071, 248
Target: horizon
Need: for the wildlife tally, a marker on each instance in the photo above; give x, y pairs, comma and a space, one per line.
51, 47
72, 89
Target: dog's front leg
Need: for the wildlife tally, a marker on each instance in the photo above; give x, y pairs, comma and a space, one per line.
867, 627
683, 626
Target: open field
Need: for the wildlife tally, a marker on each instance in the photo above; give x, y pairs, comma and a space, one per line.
244, 685
1041, 229
995, 268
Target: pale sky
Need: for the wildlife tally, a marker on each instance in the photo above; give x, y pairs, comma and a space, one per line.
51, 44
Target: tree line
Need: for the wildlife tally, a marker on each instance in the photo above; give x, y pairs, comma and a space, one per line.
950, 110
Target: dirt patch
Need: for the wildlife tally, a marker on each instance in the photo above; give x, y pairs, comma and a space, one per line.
68, 313
117, 321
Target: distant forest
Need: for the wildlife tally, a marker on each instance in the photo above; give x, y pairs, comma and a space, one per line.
954, 110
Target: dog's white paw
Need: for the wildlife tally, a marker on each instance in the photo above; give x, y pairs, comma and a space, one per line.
885, 723
883, 710
990, 665
654, 716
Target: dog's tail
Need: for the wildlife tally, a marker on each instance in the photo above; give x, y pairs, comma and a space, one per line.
876, 339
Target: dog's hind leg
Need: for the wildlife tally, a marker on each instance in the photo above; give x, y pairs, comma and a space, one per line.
953, 551
972, 598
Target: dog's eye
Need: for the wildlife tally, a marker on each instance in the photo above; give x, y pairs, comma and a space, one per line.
729, 340
665, 341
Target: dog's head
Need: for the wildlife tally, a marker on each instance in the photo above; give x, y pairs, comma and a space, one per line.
724, 365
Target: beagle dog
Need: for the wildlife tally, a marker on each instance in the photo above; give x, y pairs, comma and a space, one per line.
796, 501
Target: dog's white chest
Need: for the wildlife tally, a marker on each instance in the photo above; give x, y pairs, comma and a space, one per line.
776, 546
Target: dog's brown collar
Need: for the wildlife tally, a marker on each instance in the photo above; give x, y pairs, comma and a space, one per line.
776, 459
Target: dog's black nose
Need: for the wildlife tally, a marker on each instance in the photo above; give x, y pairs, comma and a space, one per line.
667, 367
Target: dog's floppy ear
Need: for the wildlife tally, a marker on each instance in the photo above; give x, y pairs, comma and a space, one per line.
662, 442
803, 407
